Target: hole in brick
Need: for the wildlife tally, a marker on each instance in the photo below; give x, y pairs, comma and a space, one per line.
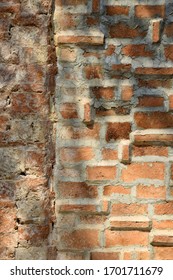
8, 127
23, 173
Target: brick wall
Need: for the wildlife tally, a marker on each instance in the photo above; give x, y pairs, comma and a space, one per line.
110, 165
114, 102
26, 133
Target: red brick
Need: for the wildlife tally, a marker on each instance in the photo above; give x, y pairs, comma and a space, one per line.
137, 171
148, 11
114, 111
109, 154
137, 50
93, 72
153, 119
126, 92
83, 132
76, 154
162, 240
124, 209
117, 10
158, 71
163, 224
87, 118
123, 30
101, 172
125, 238
132, 224
96, 6
70, 2
116, 190
151, 101
124, 151
150, 151
118, 131
106, 93
153, 139
121, 68
79, 39
168, 29
155, 83
77, 190
162, 253
156, 31
81, 239
78, 208
93, 219
105, 256
165, 208
92, 21
151, 192
69, 111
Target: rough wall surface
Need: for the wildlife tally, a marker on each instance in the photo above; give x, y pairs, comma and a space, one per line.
113, 119
114, 155
26, 149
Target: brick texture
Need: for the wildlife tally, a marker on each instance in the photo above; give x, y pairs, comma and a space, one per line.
86, 140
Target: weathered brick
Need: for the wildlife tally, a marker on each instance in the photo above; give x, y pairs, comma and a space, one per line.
137, 50
77, 190
138, 171
121, 209
101, 173
153, 119
150, 151
76, 154
106, 93
150, 101
123, 30
76, 240
125, 238
151, 192
160, 253
148, 11
116, 190
118, 131
117, 10
105, 256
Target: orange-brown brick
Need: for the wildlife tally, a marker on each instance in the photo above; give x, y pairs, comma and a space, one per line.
137, 50
105, 256
81, 239
123, 209
160, 253
101, 172
148, 11
126, 92
150, 101
100, 92
93, 72
164, 208
69, 111
123, 30
138, 170
118, 131
117, 10
77, 190
150, 151
151, 192
109, 154
75, 154
111, 190
125, 238
153, 119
